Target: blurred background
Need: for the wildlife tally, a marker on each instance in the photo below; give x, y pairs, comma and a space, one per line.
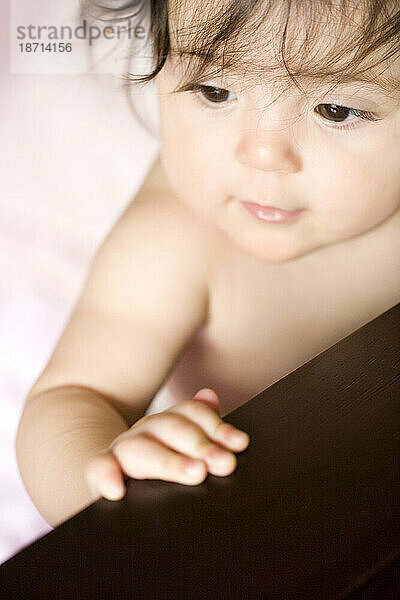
73, 154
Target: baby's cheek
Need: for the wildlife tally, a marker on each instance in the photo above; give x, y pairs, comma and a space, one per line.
168, 161
395, 128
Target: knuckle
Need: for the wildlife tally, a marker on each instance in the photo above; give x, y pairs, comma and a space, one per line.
204, 415
191, 431
170, 421
203, 447
134, 452
199, 411
148, 419
199, 408
144, 422
130, 444
217, 425
181, 469
174, 465
175, 421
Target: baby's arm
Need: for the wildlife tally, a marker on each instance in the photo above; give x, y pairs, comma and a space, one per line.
83, 427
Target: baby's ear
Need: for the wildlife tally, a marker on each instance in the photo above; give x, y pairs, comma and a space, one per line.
209, 397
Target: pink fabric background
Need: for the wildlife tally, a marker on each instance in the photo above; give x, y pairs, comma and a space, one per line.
72, 156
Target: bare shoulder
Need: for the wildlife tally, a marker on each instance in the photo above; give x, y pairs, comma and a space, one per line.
145, 296
154, 266
165, 231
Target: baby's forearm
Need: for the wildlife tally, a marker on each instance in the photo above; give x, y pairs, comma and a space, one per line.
59, 431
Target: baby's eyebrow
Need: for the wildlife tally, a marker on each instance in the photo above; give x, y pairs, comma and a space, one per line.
387, 85
370, 79
384, 82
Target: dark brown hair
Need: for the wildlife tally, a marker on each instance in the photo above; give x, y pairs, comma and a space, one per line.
208, 39
226, 36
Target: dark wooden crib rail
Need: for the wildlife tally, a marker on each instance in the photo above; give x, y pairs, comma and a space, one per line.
312, 511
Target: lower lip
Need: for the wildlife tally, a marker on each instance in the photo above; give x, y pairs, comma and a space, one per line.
271, 214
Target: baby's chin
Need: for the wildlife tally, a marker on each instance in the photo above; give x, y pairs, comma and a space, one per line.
275, 251
277, 255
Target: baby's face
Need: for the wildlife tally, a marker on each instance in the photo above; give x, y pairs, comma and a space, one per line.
295, 153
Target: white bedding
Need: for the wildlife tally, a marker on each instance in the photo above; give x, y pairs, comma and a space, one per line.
71, 158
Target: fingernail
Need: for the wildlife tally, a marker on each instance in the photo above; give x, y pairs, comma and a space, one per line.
235, 436
240, 435
207, 394
216, 455
193, 467
113, 491
93, 490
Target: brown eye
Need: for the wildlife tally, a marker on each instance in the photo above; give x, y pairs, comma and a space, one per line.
333, 112
214, 94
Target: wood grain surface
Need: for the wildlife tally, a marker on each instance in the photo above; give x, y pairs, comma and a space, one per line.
311, 512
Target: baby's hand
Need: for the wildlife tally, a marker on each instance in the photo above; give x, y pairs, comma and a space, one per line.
181, 444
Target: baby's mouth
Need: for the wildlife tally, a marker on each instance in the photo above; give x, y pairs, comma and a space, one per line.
271, 214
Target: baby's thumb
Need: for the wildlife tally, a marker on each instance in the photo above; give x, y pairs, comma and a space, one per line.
209, 397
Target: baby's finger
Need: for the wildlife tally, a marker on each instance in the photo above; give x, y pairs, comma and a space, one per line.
212, 424
209, 397
104, 477
143, 457
186, 437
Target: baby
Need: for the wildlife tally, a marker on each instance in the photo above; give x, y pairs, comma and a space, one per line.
267, 230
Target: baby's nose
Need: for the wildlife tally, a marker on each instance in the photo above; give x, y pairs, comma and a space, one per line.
269, 151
